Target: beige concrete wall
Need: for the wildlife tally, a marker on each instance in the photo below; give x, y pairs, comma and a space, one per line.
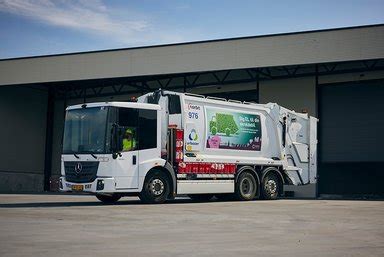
297, 94
304, 48
23, 114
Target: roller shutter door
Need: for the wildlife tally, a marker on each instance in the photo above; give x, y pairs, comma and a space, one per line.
351, 136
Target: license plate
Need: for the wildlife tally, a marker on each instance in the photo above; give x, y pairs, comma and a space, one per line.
77, 187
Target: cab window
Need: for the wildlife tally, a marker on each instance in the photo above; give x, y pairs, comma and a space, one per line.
128, 121
148, 129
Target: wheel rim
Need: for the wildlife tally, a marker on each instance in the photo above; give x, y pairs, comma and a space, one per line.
156, 187
270, 186
246, 187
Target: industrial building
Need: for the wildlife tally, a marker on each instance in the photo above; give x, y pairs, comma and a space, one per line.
336, 75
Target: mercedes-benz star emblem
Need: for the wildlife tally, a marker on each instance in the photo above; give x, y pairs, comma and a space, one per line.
78, 168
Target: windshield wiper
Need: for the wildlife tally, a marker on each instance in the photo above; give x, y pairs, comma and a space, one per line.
94, 156
76, 156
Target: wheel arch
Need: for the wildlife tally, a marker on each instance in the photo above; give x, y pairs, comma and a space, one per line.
169, 171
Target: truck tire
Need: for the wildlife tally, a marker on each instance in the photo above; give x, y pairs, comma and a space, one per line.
201, 197
270, 186
156, 188
108, 199
245, 187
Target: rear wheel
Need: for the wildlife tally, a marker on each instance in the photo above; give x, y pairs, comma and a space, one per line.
156, 188
270, 186
246, 187
109, 199
201, 197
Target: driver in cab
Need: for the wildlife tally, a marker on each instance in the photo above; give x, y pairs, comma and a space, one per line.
129, 141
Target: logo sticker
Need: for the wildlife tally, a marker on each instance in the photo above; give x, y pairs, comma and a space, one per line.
78, 168
193, 135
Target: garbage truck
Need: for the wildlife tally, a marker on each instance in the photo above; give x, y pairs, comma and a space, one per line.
169, 143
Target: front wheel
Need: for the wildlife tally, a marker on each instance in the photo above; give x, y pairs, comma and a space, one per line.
246, 187
109, 199
270, 186
156, 188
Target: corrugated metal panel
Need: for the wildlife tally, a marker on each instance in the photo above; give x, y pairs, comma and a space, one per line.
303, 48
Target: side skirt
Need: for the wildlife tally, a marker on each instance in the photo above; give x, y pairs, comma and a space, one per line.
205, 186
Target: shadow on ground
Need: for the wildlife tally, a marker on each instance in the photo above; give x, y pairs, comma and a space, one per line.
184, 200
92, 203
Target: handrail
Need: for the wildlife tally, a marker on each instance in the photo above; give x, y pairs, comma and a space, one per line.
196, 95
216, 98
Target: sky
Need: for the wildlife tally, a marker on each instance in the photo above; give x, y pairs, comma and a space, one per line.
42, 27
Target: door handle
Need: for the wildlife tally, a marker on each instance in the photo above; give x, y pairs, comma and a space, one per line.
134, 159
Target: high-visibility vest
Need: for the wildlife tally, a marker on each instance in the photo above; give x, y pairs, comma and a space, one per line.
129, 145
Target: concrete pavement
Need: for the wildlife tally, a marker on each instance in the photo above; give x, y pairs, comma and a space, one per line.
78, 225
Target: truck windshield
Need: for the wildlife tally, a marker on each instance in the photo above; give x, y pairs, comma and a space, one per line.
85, 131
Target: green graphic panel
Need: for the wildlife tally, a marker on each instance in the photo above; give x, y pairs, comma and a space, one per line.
232, 130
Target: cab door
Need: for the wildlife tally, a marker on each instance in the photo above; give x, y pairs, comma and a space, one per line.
126, 168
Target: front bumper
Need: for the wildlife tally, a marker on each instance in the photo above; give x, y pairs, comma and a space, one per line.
108, 186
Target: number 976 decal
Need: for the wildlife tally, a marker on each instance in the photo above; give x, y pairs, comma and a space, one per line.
193, 115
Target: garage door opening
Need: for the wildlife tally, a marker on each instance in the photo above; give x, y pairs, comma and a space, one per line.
351, 134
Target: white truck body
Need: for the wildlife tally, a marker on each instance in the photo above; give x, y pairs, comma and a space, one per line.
220, 139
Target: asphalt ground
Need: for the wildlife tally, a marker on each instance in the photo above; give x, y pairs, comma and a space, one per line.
79, 225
